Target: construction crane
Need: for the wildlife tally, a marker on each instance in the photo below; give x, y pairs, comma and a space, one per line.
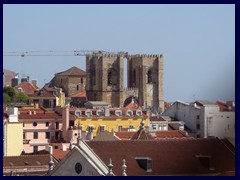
63, 53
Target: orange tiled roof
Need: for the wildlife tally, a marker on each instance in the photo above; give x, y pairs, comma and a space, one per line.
125, 135
170, 134
59, 153
27, 87
168, 157
79, 94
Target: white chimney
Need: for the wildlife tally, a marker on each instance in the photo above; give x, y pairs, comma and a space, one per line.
64, 148
13, 114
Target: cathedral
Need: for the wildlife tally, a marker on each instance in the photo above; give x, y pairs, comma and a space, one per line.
104, 80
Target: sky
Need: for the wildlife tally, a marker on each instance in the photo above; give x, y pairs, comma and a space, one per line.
197, 42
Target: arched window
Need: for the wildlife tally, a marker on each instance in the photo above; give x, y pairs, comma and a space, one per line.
110, 78
149, 76
134, 77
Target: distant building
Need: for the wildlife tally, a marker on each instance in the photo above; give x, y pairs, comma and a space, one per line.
48, 98
71, 81
12, 133
27, 165
204, 119
8, 76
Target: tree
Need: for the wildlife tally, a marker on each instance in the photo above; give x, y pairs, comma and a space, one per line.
10, 91
21, 97
6, 99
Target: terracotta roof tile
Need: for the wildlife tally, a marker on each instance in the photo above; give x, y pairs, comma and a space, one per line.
27, 87
125, 135
79, 95
59, 153
170, 134
169, 157
72, 71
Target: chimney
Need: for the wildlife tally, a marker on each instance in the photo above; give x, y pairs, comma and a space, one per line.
107, 111
51, 163
12, 112
64, 148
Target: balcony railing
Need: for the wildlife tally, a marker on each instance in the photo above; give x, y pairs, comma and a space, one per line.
26, 141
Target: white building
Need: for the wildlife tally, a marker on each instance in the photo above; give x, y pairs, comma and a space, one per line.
204, 119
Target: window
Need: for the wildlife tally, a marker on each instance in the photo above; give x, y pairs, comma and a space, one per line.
55, 147
131, 127
149, 76
154, 127
77, 87
35, 148
23, 124
71, 123
35, 135
47, 135
99, 112
197, 116
139, 112
56, 135
24, 135
35, 124
78, 113
129, 112
120, 128
88, 112
90, 128
102, 128
78, 168
81, 80
109, 78
198, 126
134, 77
57, 125
47, 124
118, 112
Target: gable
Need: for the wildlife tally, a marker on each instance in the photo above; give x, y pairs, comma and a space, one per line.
79, 163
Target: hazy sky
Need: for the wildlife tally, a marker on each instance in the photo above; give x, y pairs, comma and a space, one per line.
197, 41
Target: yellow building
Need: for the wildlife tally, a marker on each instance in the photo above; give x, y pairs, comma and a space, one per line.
13, 134
95, 121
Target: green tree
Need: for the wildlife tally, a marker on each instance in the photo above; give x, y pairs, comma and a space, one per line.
21, 97
6, 99
10, 91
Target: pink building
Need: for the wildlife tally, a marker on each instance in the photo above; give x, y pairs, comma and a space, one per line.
40, 128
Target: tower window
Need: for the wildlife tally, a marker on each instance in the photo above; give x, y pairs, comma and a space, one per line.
149, 76
110, 78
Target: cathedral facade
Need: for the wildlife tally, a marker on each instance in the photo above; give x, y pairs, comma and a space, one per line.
104, 80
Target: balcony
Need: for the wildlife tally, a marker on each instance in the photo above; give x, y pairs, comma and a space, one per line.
26, 141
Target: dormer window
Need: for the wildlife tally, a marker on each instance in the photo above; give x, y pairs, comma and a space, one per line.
118, 112
78, 113
129, 112
99, 112
138, 112
88, 113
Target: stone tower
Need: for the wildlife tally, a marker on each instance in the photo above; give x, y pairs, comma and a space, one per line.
145, 72
105, 78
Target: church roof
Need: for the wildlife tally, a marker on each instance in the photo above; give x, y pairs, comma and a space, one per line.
167, 157
73, 71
